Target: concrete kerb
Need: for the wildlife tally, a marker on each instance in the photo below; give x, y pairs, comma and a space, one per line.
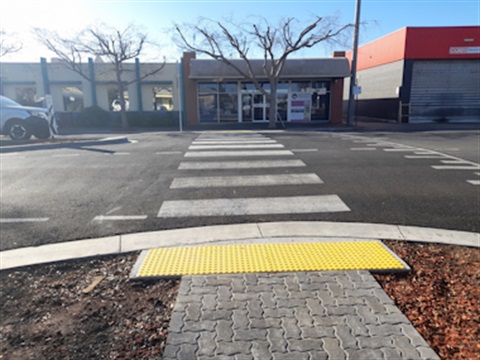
232, 234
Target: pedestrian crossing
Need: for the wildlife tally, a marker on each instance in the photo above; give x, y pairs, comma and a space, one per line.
216, 150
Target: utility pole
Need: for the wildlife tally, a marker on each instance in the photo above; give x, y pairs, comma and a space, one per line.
353, 76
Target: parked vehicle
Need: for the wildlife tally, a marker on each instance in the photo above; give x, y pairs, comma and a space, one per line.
21, 122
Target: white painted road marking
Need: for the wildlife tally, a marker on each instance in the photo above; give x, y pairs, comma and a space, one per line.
22, 220
236, 146
252, 180
254, 164
119, 217
304, 150
474, 182
252, 206
233, 141
455, 161
168, 152
238, 153
362, 149
400, 149
456, 167
424, 156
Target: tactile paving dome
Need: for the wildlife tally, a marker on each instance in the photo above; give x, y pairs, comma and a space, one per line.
224, 259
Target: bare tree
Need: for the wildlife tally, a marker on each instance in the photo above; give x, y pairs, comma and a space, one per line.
116, 47
276, 43
8, 44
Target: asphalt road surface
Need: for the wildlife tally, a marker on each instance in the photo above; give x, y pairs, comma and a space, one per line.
174, 180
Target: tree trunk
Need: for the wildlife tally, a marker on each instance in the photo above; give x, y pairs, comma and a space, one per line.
272, 112
123, 110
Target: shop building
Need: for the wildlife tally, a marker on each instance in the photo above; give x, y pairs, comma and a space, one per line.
310, 90
421, 74
28, 83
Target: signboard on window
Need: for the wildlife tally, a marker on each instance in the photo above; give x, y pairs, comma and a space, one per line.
464, 50
299, 106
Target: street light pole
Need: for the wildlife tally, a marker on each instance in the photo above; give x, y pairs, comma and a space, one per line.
353, 76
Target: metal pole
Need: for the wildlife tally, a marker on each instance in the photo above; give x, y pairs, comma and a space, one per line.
353, 77
179, 85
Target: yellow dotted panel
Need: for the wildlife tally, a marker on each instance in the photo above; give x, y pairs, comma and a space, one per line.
252, 258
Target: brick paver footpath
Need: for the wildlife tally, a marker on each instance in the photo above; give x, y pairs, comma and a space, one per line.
302, 315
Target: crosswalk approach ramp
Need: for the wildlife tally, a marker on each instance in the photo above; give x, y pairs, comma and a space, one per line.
257, 258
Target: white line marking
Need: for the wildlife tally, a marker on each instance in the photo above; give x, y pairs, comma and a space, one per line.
362, 149
22, 220
238, 153
239, 146
255, 164
304, 150
474, 182
400, 149
477, 173
121, 153
168, 152
459, 162
426, 153
455, 167
119, 217
424, 157
252, 206
13, 156
219, 142
65, 155
252, 180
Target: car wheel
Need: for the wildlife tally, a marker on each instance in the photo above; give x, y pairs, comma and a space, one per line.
17, 130
43, 134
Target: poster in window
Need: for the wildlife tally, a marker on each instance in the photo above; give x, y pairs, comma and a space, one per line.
299, 108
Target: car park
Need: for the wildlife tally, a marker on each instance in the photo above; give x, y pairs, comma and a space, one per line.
21, 122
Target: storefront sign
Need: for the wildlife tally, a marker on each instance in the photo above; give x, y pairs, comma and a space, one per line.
465, 50
299, 107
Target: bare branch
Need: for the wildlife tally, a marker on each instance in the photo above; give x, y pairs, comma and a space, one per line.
8, 44
275, 43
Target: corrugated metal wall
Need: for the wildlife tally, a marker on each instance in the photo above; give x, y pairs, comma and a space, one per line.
445, 90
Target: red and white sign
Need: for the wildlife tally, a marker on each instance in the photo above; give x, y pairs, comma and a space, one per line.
454, 50
299, 107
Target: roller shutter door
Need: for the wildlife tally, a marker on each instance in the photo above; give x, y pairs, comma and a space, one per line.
445, 90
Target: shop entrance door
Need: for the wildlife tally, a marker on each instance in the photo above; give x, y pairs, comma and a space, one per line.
260, 108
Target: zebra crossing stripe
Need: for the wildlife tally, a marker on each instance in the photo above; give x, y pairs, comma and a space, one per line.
236, 146
255, 164
252, 206
238, 153
226, 142
119, 217
252, 180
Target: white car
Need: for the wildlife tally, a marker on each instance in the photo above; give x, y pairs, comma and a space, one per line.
21, 122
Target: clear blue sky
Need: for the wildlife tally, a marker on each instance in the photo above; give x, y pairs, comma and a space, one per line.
382, 17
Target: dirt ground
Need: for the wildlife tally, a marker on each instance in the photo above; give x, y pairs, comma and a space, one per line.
89, 309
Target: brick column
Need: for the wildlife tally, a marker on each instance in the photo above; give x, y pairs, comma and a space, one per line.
336, 101
189, 90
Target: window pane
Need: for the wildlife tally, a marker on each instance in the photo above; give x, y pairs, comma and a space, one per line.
300, 86
228, 87
114, 99
228, 107
162, 98
207, 105
72, 98
27, 96
207, 87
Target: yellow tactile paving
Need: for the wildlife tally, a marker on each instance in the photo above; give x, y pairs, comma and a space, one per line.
224, 259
